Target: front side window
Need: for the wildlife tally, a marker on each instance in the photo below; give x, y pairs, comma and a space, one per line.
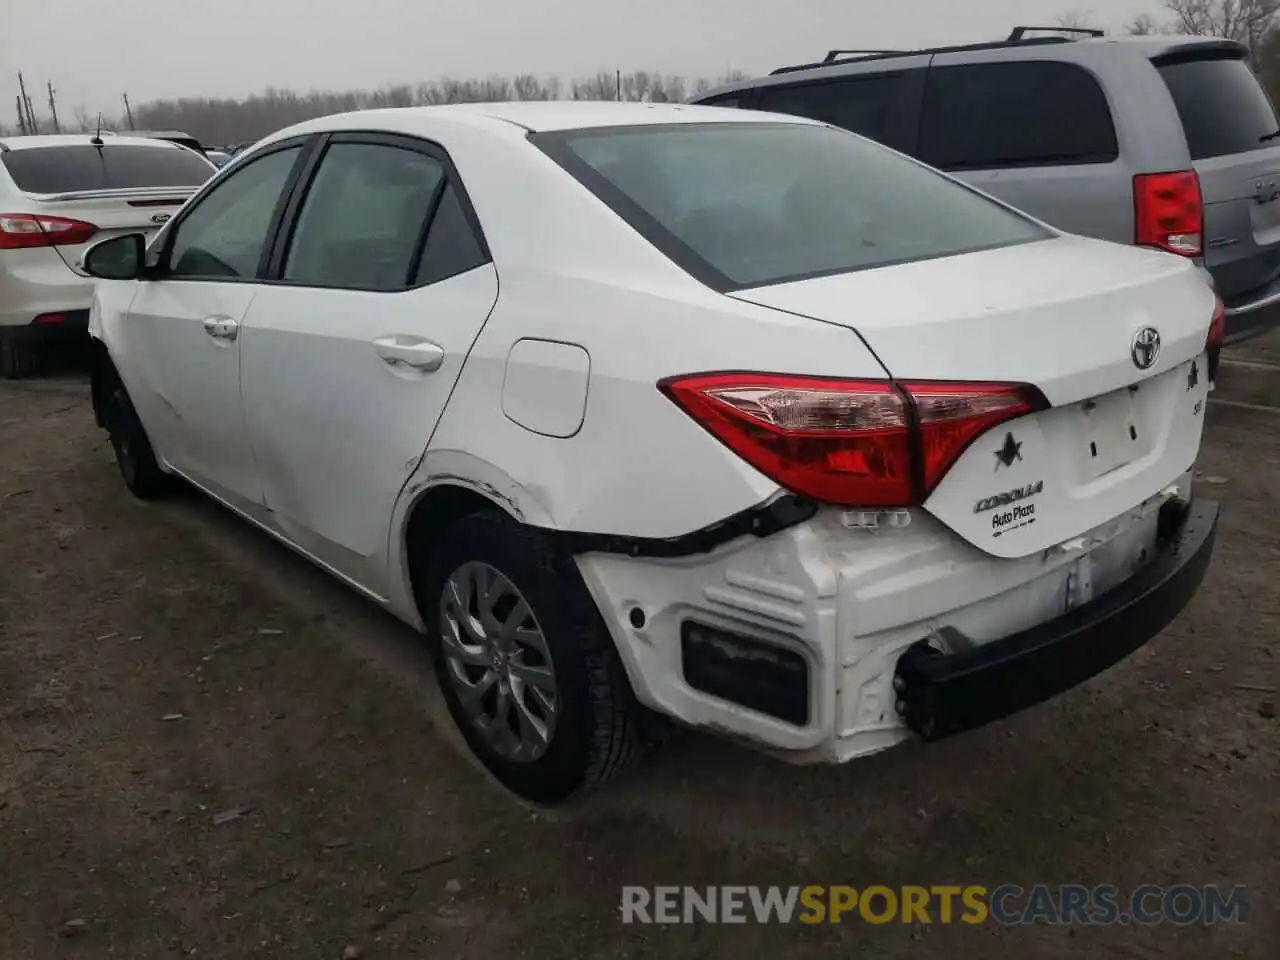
865, 105
749, 204
363, 217
224, 235
999, 115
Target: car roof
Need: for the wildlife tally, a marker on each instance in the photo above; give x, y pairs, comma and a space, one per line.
1149, 46
32, 141
532, 116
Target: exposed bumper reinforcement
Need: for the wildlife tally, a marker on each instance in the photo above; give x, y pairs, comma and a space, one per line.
941, 694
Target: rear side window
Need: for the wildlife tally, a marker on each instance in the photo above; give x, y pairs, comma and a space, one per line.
1024, 114
111, 167
362, 218
452, 247
865, 105
1223, 108
725, 100
748, 204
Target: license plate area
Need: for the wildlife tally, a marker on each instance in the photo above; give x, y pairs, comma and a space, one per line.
1114, 433
1265, 219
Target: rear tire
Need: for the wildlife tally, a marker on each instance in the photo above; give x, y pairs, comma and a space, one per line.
570, 721
18, 360
134, 456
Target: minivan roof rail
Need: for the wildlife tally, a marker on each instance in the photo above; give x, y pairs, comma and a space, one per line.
1020, 33
859, 56
834, 55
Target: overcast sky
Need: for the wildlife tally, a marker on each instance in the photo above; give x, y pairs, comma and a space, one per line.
93, 50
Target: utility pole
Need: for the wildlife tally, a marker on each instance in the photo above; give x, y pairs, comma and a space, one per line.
22, 115
619, 84
53, 108
31, 117
128, 111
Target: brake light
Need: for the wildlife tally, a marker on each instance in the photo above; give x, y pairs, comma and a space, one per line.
864, 443
1217, 334
22, 230
1169, 212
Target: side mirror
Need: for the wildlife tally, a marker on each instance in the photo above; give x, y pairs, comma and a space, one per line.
120, 258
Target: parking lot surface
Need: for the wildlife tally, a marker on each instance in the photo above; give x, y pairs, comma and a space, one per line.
209, 749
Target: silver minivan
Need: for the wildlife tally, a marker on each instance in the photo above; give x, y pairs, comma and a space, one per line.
1162, 141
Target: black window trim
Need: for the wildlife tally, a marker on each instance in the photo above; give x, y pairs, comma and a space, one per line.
554, 143
273, 272
161, 269
1080, 160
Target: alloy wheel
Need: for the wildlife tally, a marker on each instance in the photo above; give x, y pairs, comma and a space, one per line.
498, 662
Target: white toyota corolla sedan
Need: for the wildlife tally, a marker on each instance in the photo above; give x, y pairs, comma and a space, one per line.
639, 410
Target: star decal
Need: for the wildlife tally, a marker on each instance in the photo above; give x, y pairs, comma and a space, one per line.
1009, 452
1193, 377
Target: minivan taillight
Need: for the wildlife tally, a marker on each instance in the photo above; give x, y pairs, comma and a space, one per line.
1217, 334
20, 230
858, 443
1169, 212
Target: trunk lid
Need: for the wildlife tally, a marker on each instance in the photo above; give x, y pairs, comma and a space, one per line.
1233, 138
113, 212
1061, 315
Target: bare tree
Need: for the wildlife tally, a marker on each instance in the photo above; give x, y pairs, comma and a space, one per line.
1245, 21
1077, 20
1142, 25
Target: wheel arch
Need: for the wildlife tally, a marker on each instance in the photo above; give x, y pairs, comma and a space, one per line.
447, 486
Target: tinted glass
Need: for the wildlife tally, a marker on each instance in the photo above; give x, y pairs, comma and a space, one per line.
110, 167
1224, 109
725, 100
363, 217
452, 246
1014, 115
764, 203
225, 233
865, 105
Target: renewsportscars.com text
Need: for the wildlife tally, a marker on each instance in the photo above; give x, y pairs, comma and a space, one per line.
1007, 905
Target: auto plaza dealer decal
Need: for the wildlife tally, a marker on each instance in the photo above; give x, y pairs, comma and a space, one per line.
1017, 514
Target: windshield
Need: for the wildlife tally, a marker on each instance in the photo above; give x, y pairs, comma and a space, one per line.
742, 205
70, 169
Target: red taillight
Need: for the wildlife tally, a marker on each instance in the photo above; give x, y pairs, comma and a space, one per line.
865, 443
20, 230
1217, 333
1169, 212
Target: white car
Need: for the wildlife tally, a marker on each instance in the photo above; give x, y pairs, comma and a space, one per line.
58, 193
655, 409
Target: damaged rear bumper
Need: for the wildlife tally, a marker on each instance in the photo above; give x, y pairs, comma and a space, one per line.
940, 694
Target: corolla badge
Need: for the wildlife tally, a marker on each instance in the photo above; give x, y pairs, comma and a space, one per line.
1145, 347
160, 217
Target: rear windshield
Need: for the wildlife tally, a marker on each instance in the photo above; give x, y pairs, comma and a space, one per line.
112, 167
1224, 109
742, 205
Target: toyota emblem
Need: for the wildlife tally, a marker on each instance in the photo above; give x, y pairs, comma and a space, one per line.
1145, 347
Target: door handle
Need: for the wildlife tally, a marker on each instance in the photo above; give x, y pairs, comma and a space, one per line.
409, 352
221, 327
